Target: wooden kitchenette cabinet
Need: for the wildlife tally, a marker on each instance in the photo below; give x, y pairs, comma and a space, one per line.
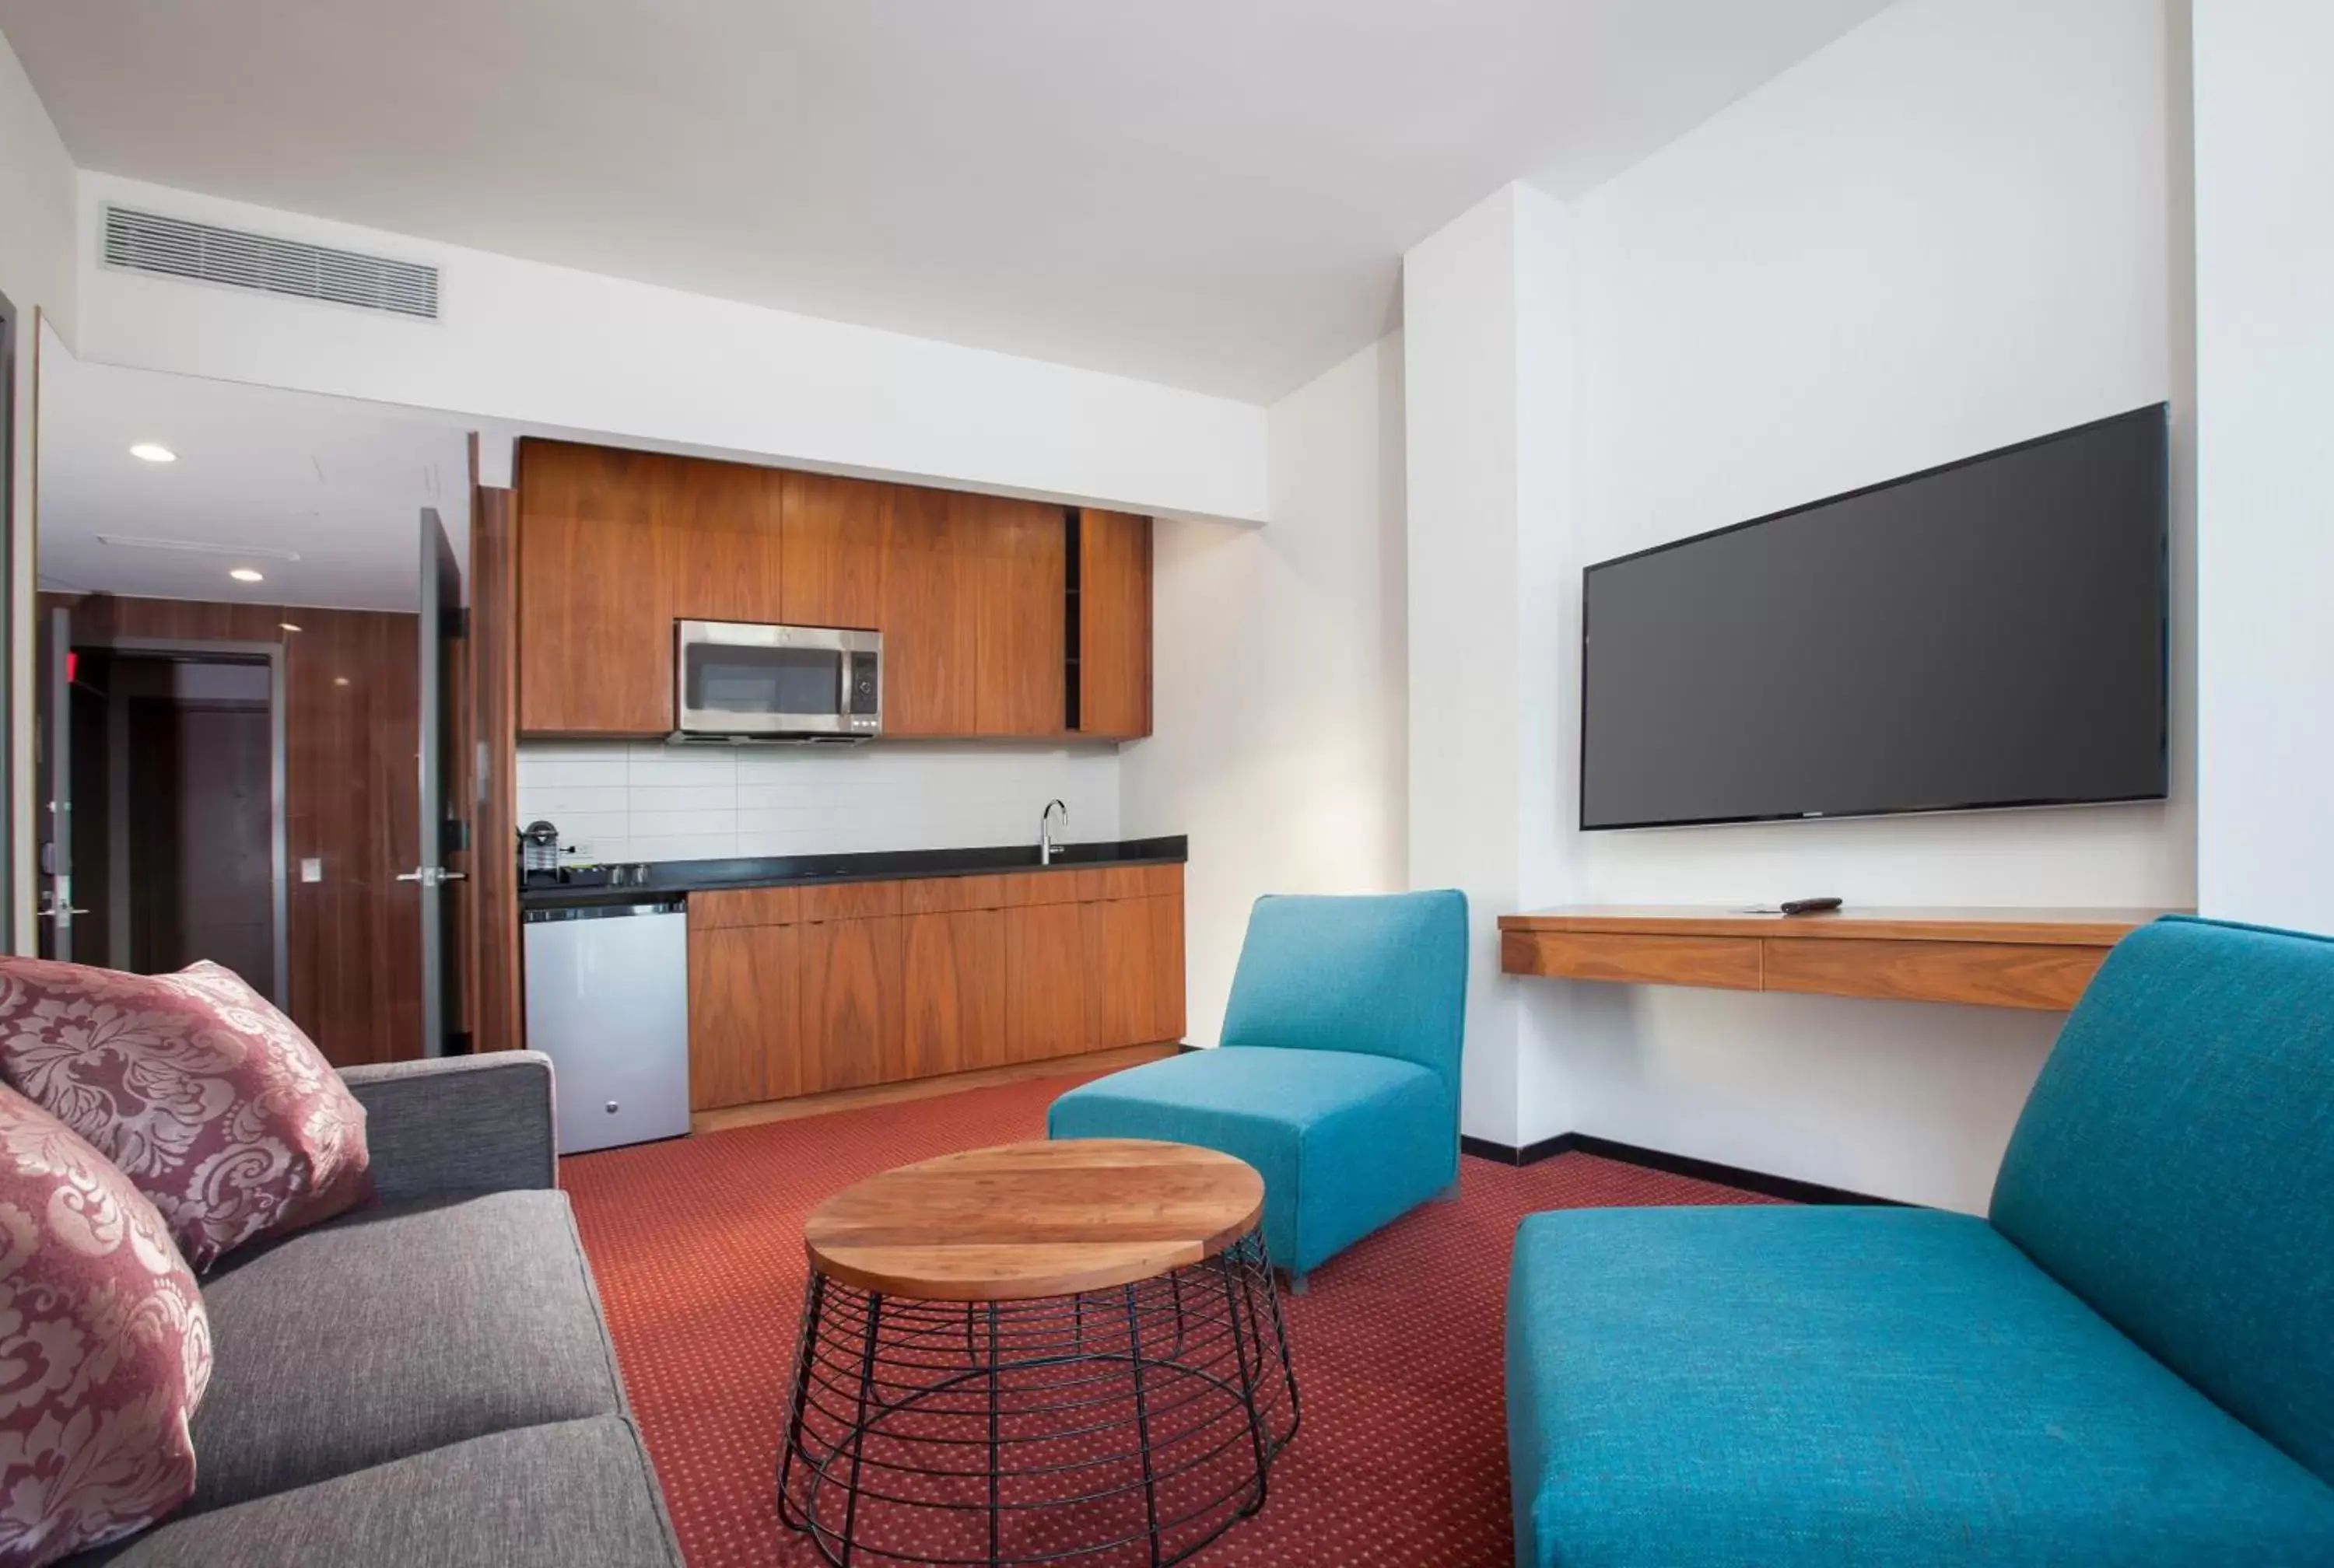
797, 991
614, 547
973, 593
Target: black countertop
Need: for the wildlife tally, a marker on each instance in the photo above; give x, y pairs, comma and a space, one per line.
672, 879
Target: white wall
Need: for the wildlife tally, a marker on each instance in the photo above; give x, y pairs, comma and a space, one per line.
1492, 539
37, 274
1278, 689
527, 344
2264, 119
646, 801
1954, 229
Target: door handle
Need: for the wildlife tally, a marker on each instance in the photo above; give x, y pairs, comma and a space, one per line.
431, 876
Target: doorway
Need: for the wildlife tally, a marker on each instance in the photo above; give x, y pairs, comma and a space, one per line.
177, 756
239, 756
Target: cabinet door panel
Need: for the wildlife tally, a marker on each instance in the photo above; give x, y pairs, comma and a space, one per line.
835, 532
1113, 624
594, 640
851, 1004
1134, 969
1043, 886
955, 991
931, 632
742, 1023
714, 910
719, 547
1166, 915
1021, 567
614, 547
1046, 990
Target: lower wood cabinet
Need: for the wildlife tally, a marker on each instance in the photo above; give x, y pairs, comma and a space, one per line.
1046, 982
797, 991
953, 979
739, 978
852, 1008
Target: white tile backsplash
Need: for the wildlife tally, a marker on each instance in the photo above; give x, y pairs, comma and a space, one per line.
644, 801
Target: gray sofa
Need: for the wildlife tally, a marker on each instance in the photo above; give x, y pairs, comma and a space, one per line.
427, 1380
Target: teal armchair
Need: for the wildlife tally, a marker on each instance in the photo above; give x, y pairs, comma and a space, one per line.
1339, 1074
2129, 1364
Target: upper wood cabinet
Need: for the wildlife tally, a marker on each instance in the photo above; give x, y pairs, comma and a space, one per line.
1113, 624
1020, 557
971, 593
836, 536
614, 547
931, 627
590, 660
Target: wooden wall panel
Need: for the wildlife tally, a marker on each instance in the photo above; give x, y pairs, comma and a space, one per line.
836, 536
498, 1021
1113, 624
352, 800
931, 620
1021, 570
102, 616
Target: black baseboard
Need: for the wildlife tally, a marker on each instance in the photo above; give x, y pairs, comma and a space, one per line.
1759, 1181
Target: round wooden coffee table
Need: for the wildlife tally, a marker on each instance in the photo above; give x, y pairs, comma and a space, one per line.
1060, 1352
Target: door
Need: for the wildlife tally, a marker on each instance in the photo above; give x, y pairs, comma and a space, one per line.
440, 633
54, 812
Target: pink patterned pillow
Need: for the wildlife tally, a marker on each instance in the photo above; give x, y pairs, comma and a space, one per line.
104, 1347
211, 1101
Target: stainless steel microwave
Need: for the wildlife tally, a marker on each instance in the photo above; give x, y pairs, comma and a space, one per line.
738, 681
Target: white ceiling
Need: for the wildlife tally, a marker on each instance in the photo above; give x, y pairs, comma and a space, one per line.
1212, 194
259, 473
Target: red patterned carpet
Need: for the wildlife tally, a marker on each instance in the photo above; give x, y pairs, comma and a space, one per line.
696, 1245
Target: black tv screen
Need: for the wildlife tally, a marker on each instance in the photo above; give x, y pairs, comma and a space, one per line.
1989, 633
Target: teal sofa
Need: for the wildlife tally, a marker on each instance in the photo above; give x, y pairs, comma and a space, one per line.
2131, 1362
1338, 1076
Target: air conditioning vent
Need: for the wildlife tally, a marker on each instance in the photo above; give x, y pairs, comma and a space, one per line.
176, 247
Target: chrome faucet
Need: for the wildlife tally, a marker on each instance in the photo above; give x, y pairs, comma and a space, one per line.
1045, 831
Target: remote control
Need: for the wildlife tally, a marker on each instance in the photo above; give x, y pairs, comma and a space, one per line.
1808, 906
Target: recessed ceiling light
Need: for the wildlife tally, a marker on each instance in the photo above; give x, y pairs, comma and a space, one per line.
340, 680
150, 452
246, 575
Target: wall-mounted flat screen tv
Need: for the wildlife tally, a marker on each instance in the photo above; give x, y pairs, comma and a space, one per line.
1987, 634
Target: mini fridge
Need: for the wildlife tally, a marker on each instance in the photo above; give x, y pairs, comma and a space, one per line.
607, 1000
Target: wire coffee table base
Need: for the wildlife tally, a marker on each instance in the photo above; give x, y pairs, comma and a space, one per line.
1132, 1425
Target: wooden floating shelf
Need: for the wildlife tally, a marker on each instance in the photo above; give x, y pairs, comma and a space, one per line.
2037, 959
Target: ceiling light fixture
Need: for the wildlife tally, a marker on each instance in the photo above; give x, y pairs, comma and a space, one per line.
286, 626
246, 575
198, 547
152, 452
